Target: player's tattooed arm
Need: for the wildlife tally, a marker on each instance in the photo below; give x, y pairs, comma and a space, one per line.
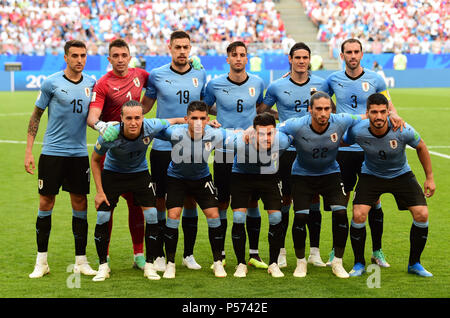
33, 127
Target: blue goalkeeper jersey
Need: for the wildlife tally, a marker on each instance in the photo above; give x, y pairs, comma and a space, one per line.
384, 156
174, 91
128, 156
352, 93
68, 105
316, 152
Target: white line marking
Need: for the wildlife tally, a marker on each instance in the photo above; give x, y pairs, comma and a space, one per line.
24, 142
14, 114
434, 152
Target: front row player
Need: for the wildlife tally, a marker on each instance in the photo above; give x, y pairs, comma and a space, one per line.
126, 170
386, 170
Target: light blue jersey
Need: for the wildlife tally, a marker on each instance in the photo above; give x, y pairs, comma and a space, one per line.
190, 157
128, 156
316, 152
384, 156
68, 105
352, 93
292, 99
235, 102
249, 160
174, 91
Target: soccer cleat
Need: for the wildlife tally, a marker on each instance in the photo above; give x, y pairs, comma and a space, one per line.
418, 269
190, 262
357, 270
379, 259
275, 271
139, 262
224, 263
160, 264
82, 266
330, 258
150, 273
282, 258
338, 269
218, 269
241, 270
103, 273
315, 260
258, 263
170, 271
40, 270
301, 269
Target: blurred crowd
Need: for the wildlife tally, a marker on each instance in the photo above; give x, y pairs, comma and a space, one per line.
36, 27
408, 26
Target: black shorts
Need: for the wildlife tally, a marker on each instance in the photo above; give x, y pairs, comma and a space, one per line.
138, 183
329, 186
72, 173
159, 162
350, 163
203, 191
222, 175
405, 189
286, 161
249, 186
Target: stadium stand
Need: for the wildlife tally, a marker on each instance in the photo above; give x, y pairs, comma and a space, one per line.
36, 27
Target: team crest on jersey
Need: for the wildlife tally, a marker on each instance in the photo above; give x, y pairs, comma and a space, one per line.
252, 91
136, 81
365, 86
312, 90
146, 140
195, 81
40, 184
334, 137
208, 146
97, 145
87, 91
274, 156
393, 143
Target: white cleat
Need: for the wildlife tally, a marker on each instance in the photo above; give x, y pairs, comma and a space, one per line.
301, 269
338, 269
282, 258
103, 273
82, 266
170, 271
190, 262
218, 269
160, 264
39, 271
241, 271
150, 273
275, 271
315, 260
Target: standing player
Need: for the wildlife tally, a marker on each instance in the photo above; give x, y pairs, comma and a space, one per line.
236, 95
292, 94
174, 86
352, 87
111, 91
126, 170
386, 169
64, 158
315, 170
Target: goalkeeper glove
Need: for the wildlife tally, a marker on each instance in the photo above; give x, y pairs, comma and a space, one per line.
196, 63
107, 130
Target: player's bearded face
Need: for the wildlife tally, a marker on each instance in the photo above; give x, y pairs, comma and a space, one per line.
197, 121
180, 50
378, 116
132, 118
265, 136
238, 59
76, 59
352, 55
321, 111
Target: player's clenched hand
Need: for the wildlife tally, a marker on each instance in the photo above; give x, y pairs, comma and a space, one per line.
196, 63
429, 187
214, 123
107, 130
100, 197
397, 122
29, 163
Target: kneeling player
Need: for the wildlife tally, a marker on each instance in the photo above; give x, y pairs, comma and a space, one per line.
126, 170
386, 170
254, 173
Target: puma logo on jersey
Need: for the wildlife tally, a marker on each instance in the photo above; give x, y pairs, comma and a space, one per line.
64, 91
341, 85
287, 92
116, 88
168, 81
226, 90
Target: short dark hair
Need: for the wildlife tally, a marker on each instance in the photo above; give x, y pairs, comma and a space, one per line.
264, 119
350, 41
179, 34
73, 43
132, 103
299, 46
118, 43
233, 45
377, 99
197, 105
318, 95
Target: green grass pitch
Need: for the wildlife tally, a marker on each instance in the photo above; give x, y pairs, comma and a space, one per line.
428, 110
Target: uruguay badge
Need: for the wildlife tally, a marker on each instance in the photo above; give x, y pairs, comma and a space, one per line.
334, 137
146, 140
208, 146
195, 81
252, 91
393, 143
87, 91
365, 86
136, 81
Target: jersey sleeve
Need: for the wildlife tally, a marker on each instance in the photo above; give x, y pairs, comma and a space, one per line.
290, 126
203, 91
45, 94
210, 98
155, 125
382, 88
270, 98
150, 90
261, 93
101, 147
349, 136
99, 94
410, 136
349, 120
326, 86
284, 141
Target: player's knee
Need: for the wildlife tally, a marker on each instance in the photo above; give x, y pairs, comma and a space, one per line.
151, 216
421, 214
46, 202
103, 217
79, 201
239, 217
